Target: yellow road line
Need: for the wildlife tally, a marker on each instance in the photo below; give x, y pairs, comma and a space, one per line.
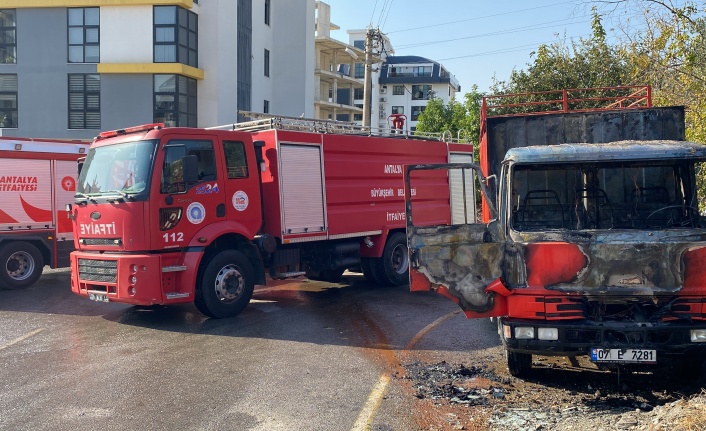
365, 418
366, 415
21, 339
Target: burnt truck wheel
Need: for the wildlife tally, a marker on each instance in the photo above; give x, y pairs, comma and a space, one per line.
22, 265
393, 266
226, 285
519, 364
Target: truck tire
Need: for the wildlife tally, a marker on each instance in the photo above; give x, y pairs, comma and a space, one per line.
367, 264
22, 264
226, 285
519, 364
393, 266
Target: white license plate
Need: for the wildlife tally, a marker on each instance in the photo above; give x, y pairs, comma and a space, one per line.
599, 354
100, 297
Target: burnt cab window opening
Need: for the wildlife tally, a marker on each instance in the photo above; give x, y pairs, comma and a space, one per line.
8, 36
573, 197
177, 150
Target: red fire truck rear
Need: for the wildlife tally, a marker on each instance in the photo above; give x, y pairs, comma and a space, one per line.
168, 215
37, 180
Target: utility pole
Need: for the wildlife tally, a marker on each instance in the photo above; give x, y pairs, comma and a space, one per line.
367, 85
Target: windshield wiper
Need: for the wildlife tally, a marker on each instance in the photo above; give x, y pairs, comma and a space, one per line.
80, 198
123, 196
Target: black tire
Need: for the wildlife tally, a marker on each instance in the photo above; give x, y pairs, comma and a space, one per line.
21, 264
519, 364
393, 266
226, 285
368, 267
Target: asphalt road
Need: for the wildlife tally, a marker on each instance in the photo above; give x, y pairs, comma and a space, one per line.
303, 356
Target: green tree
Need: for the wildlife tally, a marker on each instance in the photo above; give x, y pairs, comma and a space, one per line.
456, 119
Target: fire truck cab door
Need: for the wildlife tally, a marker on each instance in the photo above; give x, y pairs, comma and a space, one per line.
462, 260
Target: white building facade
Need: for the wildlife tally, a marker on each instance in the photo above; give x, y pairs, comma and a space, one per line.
71, 68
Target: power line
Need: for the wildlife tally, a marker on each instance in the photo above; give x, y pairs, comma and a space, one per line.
481, 17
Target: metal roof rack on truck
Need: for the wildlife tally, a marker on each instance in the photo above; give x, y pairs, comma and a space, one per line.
262, 122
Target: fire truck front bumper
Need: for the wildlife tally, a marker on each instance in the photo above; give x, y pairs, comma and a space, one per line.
138, 279
666, 340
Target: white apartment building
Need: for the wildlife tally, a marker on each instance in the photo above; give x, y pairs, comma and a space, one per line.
70, 68
407, 83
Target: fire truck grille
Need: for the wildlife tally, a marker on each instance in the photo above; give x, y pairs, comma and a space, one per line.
98, 270
102, 241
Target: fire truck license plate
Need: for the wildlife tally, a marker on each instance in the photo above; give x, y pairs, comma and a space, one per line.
623, 355
98, 297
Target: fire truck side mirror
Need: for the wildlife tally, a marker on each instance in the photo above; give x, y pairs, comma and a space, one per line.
190, 165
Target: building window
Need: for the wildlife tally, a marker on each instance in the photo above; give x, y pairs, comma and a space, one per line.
358, 93
175, 36
358, 105
398, 90
84, 101
359, 71
421, 92
175, 100
8, 34
8, 101
398, 109
357, 117
266, 107
360, 44
267, 12
416, 110
267, 62
84, 34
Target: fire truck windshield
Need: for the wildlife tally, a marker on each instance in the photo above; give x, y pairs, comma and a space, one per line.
122, 169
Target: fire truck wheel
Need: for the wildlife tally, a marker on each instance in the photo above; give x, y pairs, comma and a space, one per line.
367, 264
393, 266
226, 285
22, 264
519, 364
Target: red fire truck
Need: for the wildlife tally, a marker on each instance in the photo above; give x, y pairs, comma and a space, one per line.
167, 215
37, 180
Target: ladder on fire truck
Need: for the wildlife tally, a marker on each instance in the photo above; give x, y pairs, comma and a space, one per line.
262, 122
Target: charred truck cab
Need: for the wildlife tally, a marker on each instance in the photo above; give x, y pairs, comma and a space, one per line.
594, 249
164, 215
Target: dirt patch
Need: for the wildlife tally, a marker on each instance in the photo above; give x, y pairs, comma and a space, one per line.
556, 396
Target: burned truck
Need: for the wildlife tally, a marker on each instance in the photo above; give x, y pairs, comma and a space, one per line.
591, 242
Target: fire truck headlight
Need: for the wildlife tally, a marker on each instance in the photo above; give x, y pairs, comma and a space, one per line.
524, 332
551, 334
698, 335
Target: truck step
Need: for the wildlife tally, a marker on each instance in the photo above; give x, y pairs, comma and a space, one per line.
175, 268
176, 295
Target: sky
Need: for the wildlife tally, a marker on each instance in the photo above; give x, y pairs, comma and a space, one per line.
475, 40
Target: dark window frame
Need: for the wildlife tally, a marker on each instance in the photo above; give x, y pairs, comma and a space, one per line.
266, 107
8, 50
11, 121
184, 26
421, 91
268, 10
236, 164
79, 118
267, 63
183, 111
398, 90
85, 29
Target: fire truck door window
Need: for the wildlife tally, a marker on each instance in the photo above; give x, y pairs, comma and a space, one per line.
173, 173
236, 162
